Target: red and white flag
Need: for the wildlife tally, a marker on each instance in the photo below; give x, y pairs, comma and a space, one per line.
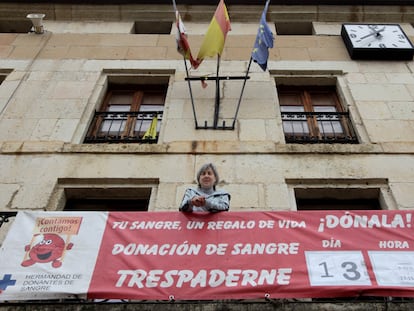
183, 46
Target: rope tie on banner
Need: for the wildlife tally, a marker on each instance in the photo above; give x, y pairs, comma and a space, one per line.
171, 298
267, 296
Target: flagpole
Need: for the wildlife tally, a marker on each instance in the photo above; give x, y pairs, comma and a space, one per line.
242, 91
191, 93
266, 4
187, 74
217, 103
245, 79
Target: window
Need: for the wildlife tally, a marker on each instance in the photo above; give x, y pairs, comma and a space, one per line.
341, 194
293, 28
104, 194
11, 26
337, 199
313, 114
107, 199
129, 114
152, 27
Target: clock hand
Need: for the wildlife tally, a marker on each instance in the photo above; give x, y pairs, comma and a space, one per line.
376, 32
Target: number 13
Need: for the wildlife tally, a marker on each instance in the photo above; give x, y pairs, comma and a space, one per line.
350, 267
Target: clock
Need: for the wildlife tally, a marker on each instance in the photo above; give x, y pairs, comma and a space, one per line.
377, 41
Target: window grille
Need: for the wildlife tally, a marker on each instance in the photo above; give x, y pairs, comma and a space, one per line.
114, 127
313, 114
129, 114
332, 127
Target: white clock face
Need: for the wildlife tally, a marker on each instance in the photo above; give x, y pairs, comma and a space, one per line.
377, 36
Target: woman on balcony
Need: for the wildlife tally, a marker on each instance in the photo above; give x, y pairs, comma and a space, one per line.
205, 198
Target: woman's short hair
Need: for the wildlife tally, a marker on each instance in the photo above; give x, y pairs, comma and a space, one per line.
204, 168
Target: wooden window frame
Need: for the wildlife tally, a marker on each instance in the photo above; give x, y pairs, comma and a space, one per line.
135, 103
306, 95
136, 100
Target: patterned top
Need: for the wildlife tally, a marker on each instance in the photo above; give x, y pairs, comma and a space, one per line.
216, 201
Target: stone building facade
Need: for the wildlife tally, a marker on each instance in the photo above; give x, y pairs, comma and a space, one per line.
52, 83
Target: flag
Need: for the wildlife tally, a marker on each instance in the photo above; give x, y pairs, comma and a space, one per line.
264, 41
183, 47
151, 133
213, 42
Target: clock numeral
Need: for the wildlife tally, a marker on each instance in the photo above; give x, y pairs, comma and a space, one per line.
352, 35
382, 45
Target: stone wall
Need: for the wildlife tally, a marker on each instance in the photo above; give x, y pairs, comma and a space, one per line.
55, 81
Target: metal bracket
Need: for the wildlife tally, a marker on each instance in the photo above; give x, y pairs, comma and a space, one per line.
217, 78
4, 217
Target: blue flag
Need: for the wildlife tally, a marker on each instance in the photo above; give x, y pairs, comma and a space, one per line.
264, 41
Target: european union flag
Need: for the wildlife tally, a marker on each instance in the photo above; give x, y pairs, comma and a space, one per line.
264, 41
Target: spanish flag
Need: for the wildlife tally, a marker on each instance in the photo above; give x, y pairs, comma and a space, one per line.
213, 42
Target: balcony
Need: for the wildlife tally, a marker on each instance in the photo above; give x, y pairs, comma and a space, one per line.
124, 127
318, 128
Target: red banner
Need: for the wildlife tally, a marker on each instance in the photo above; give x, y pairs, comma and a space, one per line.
201, 256
242, 255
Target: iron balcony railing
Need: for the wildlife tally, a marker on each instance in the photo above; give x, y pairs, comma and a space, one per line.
318, 127
124, 127
5, 216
